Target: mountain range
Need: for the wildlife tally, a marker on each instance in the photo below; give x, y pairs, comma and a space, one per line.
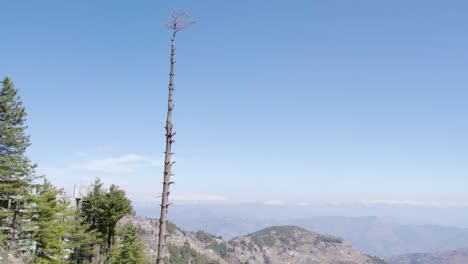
372, 235
458, 256
273, 245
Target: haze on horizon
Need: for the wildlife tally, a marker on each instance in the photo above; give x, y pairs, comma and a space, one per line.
277, 102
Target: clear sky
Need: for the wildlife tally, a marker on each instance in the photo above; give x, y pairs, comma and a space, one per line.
276, 101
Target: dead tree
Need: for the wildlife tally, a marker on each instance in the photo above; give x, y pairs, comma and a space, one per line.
179, 22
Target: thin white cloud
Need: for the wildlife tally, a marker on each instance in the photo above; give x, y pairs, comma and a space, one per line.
122, 164
416, 203
111, 169
198, 198
274, 202
86, 170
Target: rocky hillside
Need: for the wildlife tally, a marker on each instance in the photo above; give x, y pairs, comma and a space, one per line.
274, 245
459, 256
6, 258
291, 244
370, 235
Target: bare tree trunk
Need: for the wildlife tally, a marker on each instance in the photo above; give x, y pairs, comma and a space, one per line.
12, 232
167, 159
14, 227
178, 22
110, 240
99, 254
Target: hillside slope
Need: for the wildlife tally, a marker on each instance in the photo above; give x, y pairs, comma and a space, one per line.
6, 258
274, 245
370, 235
291, 244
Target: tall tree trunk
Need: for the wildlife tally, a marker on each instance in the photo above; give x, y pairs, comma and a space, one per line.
99, 254
167, 159
110, 238
13, 227
178, 22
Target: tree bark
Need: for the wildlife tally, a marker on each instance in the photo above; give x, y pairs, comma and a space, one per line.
110, 239
179, 22
167, 160
13, 227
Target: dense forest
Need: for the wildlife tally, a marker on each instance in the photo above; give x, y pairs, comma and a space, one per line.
39, 223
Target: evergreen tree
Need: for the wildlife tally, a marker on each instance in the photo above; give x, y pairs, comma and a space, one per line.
81, 240
131, 249
16, 170
116, 206
93, 213
51, 217
93, 206
102, 210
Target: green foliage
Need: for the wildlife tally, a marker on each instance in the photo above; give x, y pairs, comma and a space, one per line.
16, 170
131, 249
81, 240
328, 239
204, 237
269, 236
171, 228
264, 241
287, 231
96, 227
219, 248
116, 206
93, 207
13, 139
102, 210
376, 260
185, 254
50, 220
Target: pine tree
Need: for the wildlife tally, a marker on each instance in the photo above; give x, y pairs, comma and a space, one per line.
102, 210
51, 216
81, 240
93, 214
93, 205
131, 249
16, 170
116, 206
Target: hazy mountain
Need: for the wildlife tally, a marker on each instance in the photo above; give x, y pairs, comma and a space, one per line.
274, 245
371, 235
378, 237
459, 256
404, 214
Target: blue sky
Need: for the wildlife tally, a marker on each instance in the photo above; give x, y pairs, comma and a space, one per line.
276, 101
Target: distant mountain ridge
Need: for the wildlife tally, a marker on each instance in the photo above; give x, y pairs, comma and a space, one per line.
458, 256
273, 245
379, 237
371, 235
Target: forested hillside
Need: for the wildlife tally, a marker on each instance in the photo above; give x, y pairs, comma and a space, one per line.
274, 245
